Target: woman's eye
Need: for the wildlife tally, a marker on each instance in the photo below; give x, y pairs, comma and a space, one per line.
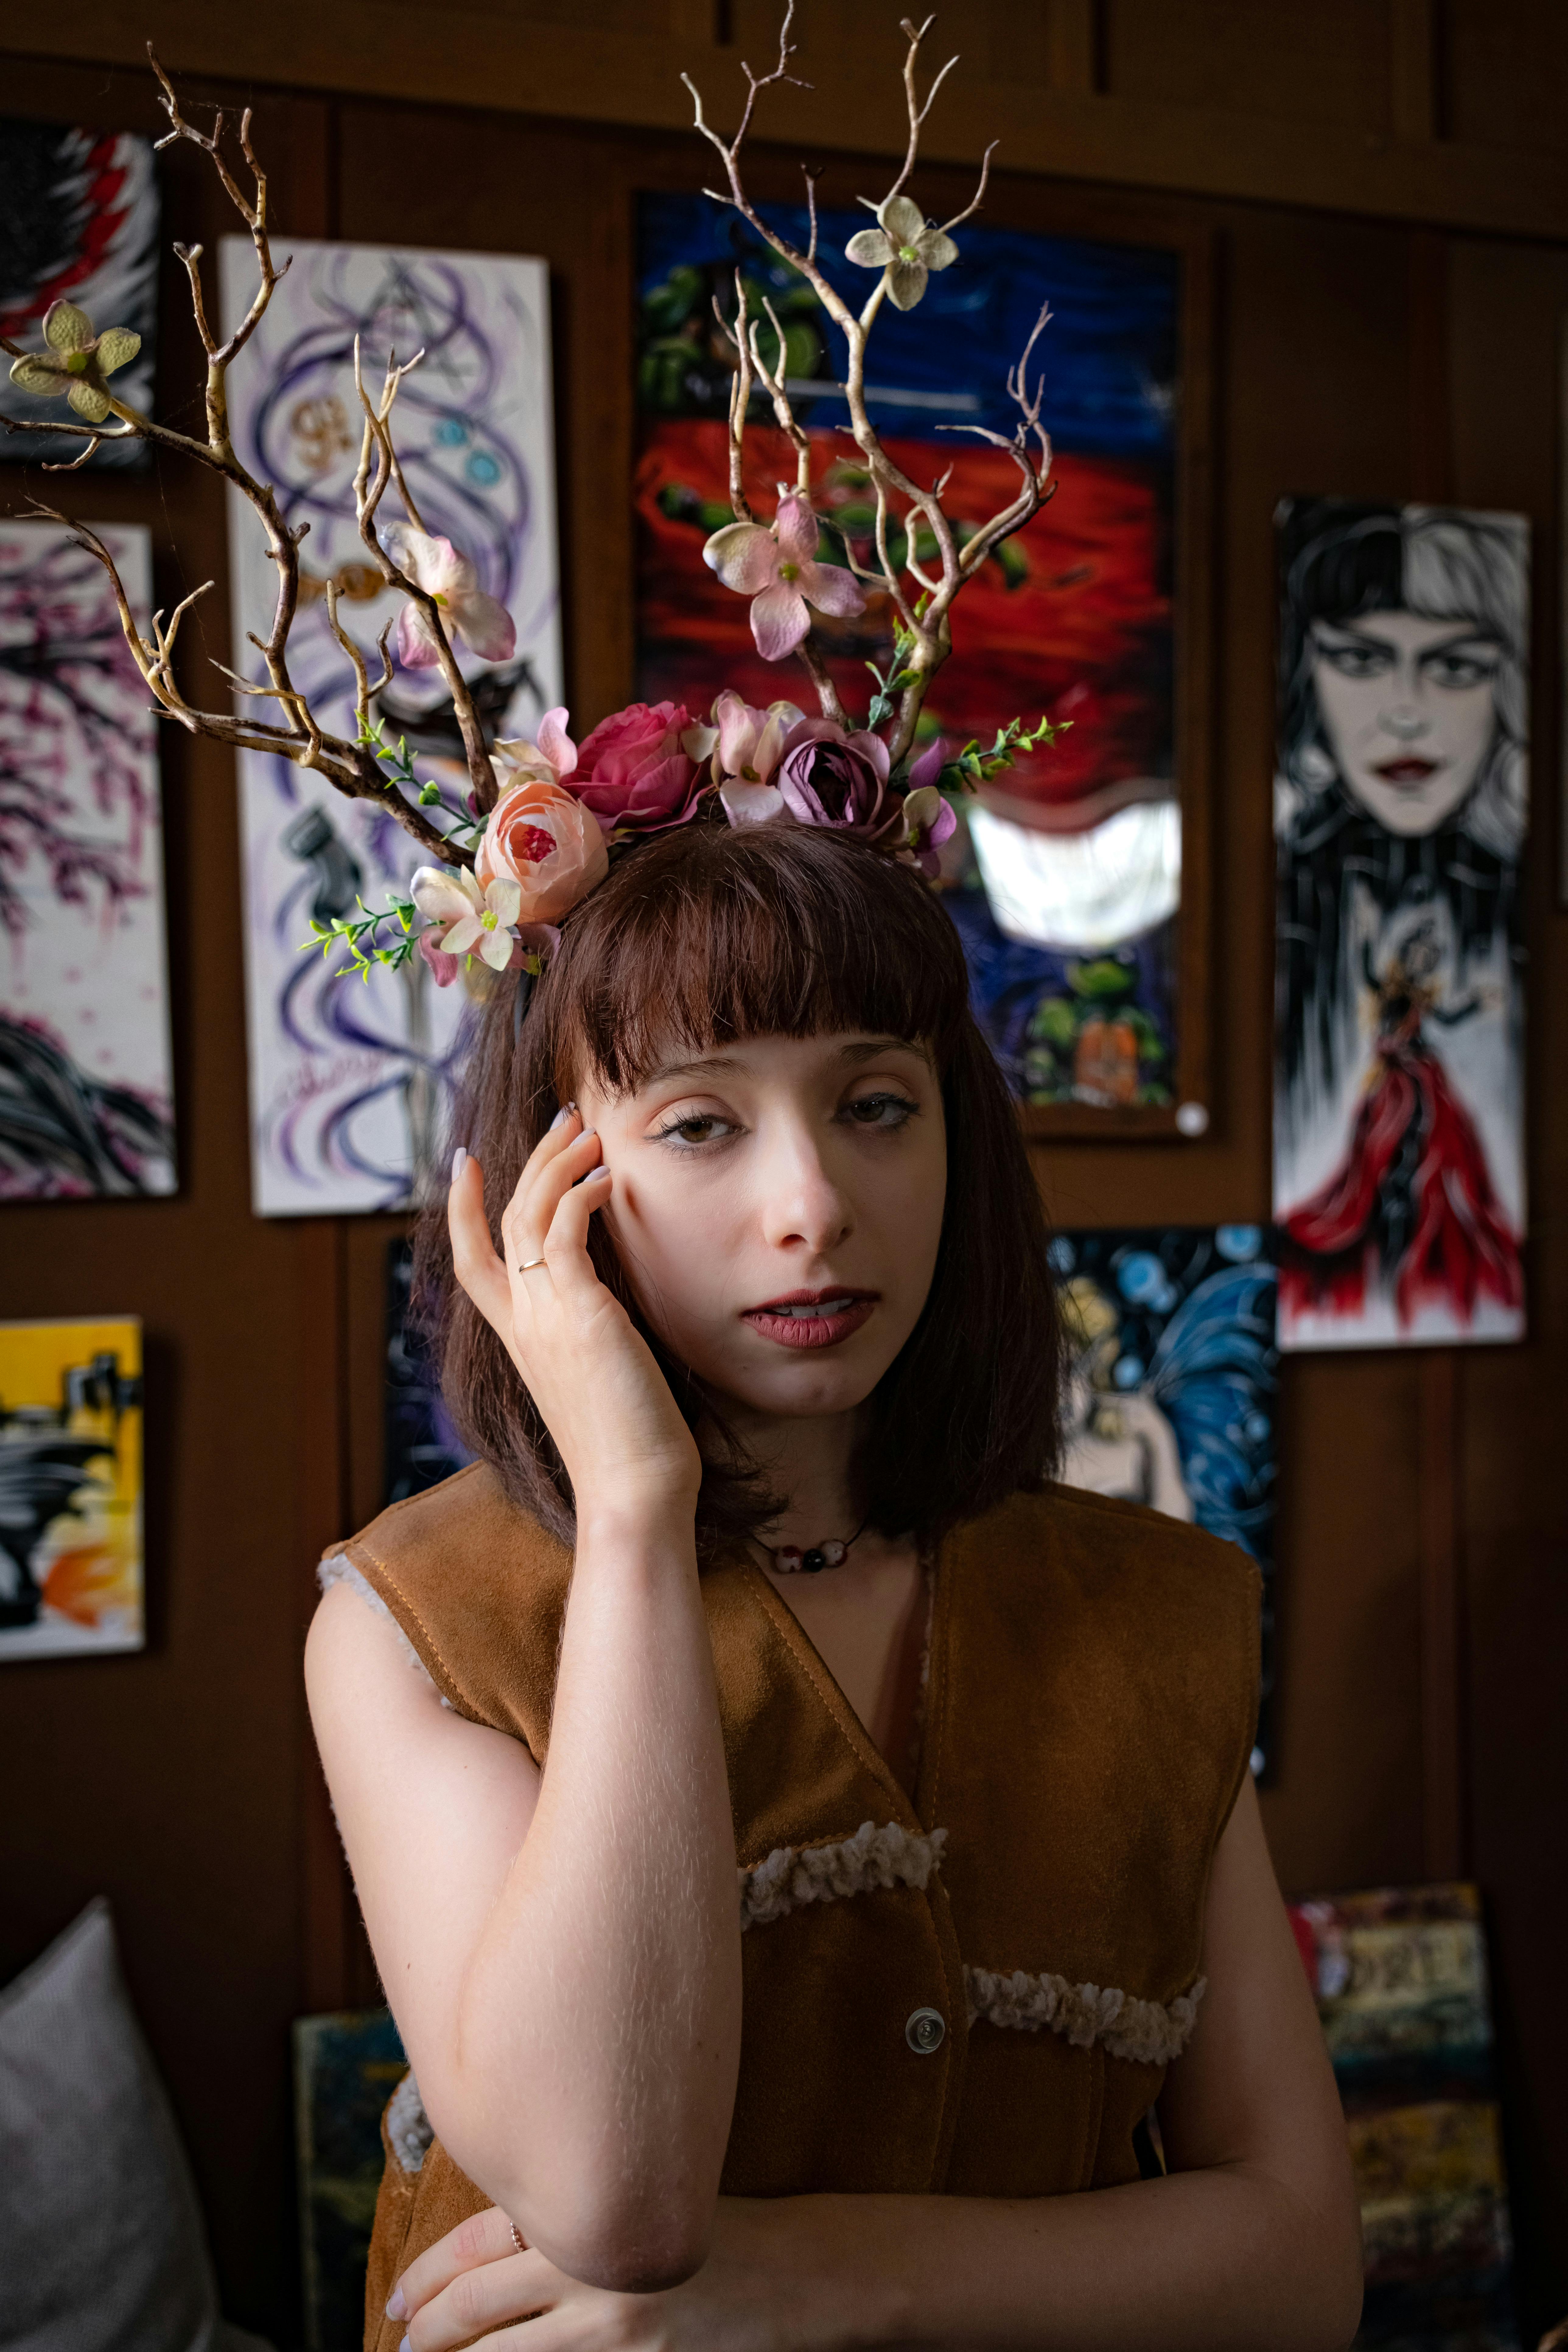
1461, 669
697, 1127
1357, 661
880, 1110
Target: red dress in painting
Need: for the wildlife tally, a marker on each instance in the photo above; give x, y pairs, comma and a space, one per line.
1413, 1198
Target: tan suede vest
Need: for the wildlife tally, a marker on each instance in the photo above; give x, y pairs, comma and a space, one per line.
978, 1993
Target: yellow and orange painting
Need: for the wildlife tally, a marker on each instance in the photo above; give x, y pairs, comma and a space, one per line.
70, 1488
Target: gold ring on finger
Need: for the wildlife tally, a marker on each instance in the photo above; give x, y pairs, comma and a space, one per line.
530, 1262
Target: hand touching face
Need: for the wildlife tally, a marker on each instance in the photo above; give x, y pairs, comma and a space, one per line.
777, 1205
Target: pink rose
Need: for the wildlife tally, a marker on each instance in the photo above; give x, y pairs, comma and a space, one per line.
540, 837
637, 771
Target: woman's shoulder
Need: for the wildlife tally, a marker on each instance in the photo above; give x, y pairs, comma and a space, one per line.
1160, 1578
1059, 1522
1118, 1629
478, 1588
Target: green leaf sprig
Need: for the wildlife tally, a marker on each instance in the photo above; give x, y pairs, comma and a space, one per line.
361, 936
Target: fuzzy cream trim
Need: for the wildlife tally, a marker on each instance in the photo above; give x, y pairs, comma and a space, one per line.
793, 1875
408, 2128
338, 1568
1142, 2030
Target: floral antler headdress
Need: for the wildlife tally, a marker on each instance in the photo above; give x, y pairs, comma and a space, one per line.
441, 593
536, 837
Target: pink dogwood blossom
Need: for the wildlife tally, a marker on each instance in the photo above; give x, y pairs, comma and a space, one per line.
777, 570
552, 760
438, 567
751, 745
928, 819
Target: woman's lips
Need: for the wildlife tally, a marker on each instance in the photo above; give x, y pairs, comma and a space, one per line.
1409, 771
812, 1318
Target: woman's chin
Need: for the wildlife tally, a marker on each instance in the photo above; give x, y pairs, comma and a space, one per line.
798, 1385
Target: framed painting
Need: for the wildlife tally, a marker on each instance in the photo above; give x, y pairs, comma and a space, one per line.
85, 1081
78, 225
1173, 1368
1075, 879
1401, 805
350, 1083
70, 1488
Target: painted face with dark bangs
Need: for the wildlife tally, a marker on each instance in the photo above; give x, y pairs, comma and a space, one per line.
777, 1206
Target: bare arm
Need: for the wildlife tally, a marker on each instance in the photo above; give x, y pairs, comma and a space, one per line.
1253, 2240
562, 1953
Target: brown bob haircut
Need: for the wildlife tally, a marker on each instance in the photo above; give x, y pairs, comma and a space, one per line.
701, 938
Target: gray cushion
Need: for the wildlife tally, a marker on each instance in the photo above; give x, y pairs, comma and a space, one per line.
101, 2245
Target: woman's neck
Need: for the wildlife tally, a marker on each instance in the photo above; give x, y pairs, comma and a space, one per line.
812, 1462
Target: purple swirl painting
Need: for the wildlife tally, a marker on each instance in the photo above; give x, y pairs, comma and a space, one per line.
350, 1080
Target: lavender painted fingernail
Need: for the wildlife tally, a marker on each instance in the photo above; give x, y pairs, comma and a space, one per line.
561, 1117
395, 2306
459, 1162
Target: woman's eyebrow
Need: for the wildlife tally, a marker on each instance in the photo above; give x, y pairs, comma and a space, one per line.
1462, 636
867, 1049
701, 1067
1327, 630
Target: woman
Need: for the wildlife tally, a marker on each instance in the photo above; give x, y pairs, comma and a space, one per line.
1402, 804
758, 1566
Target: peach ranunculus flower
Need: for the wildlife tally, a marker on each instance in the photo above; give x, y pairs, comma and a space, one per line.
544, 839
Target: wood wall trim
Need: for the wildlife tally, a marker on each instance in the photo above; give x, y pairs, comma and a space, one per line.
384, 48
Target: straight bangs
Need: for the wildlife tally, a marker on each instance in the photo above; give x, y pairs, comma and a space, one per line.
707, 937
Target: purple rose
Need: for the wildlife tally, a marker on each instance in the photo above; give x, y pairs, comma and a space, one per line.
840, 781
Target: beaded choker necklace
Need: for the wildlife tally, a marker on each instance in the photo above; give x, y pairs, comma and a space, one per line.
789, 1558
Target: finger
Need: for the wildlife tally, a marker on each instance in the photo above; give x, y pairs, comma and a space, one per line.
539, 1194
474, 1260
565, 1247
483, 2239
485, 2296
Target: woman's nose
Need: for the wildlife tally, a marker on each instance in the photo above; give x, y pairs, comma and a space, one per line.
801, 1201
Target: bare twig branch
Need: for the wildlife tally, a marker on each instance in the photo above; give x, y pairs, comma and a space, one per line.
367, 497
917, 111
826, 692
71, 465
925, 626
740, 398
978, 198
811, 179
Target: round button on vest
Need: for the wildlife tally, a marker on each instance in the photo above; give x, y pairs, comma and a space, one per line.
925, 2031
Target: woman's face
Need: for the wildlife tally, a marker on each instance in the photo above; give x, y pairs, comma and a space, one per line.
1407, 705
777, 1207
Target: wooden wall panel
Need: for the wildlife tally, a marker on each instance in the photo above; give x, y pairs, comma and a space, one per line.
1506, 312
1350, 356
1505, 73
1325, 64
1035, 78
176, 1781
